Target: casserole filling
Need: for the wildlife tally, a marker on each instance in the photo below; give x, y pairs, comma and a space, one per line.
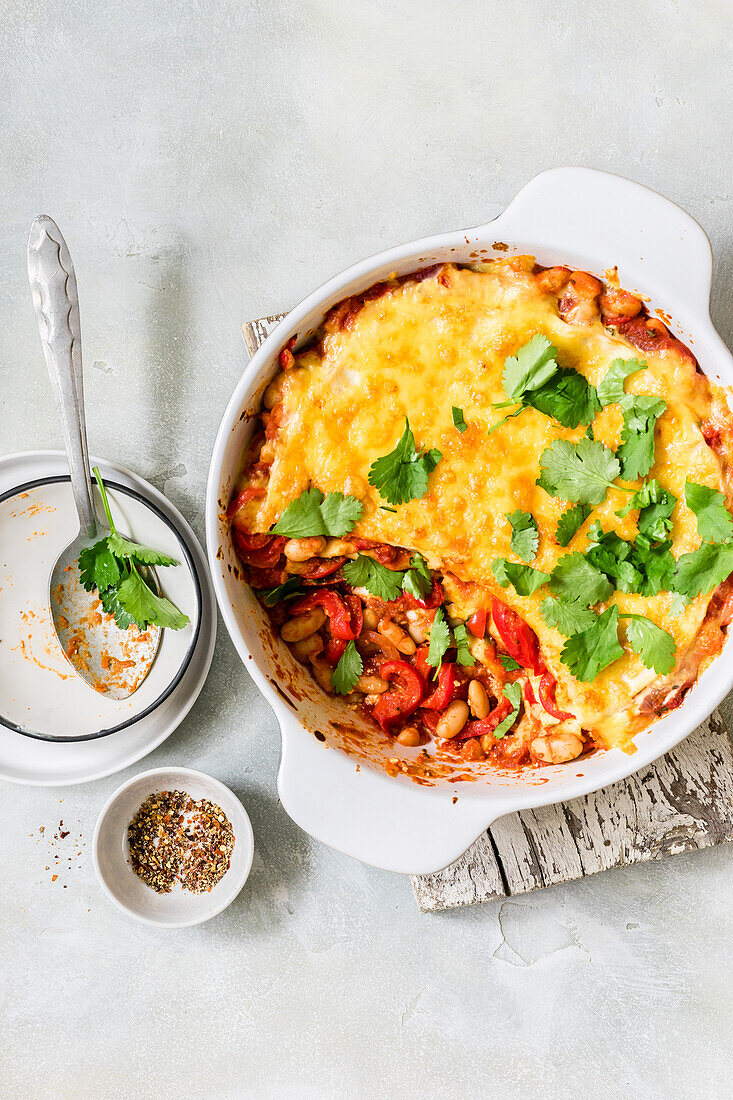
490, 506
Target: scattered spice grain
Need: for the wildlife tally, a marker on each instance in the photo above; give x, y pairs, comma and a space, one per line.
173, 838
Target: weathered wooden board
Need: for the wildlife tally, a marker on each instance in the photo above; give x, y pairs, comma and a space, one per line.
681, 802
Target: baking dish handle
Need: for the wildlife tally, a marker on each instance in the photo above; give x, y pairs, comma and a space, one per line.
576, 215
355, 808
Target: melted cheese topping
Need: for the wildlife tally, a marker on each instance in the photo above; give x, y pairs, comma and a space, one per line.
424, 347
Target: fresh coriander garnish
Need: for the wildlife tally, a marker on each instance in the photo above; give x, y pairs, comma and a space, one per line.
509, 663
523, 578
568, 398
512, 692
679, 605
589, 652
285, 591
313, 514
575, 579
417, 580
350, 667
525, 536
703, 569
636, 452
534, 364
611, 389
579, 472
111, 566
714, 523
655, 646
402, 475
365, 572
463, 653
570, 523
385, 508
568, 617
439, 639
533, 379
655, 505
458, 419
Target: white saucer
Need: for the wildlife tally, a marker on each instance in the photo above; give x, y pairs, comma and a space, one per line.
28, 760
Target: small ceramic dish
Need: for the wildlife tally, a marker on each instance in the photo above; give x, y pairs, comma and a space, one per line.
110, 851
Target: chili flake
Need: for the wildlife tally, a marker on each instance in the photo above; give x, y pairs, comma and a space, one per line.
173, 838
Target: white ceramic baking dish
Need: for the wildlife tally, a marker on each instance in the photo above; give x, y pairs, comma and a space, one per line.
573, 216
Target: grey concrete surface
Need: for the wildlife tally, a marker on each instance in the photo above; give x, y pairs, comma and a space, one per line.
210, 161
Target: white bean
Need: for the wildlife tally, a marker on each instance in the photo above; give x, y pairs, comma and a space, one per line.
302, 626
303, 549
557, 748
478, 700
452, 720
372, 685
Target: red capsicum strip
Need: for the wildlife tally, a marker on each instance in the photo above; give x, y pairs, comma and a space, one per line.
477, 623
263, 558
480, 726
547, 698
344, 612
319, 568
402, 698
445, 692
252, 492
520, 641
433, 599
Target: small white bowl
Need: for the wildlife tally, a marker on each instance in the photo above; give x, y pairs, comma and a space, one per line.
110, 852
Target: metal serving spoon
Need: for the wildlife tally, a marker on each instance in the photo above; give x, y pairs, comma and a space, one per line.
112, 661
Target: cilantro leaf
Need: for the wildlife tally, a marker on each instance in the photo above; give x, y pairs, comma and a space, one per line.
579, 472
568, 617
714, 523
112, 605
126, 548
655, 646
524, 578
365, 572
525, 536
98, 567
589, 652
509, 663
439, 639
347, 672
417, 581
570, 523
533, 365
312, 513
679, 605
402, 475
512, 692
284, 591
568, 397
703, 569
109, 566
655, 505
145, 607
463, 654
576, 580
611, 389
636, 452
458, 419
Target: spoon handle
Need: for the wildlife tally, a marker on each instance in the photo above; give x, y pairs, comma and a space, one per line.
56, 302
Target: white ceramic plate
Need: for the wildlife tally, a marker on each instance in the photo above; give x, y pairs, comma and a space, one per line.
27, 759
573, 216
110, 851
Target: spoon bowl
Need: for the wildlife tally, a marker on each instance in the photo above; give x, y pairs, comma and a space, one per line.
111, 660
